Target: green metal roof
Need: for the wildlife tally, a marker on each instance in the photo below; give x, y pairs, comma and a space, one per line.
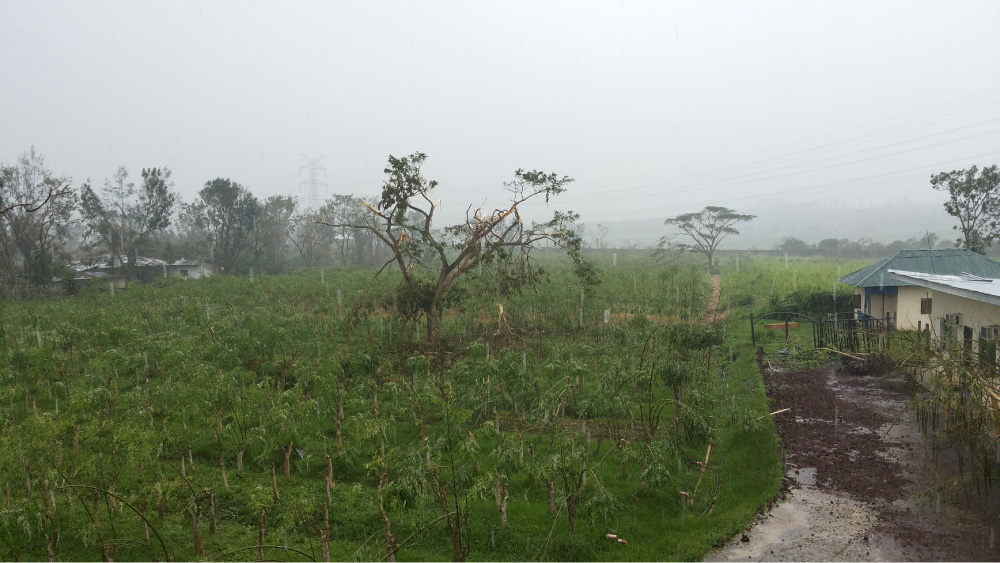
947, 261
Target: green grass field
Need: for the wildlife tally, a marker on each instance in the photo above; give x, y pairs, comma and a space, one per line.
109, 399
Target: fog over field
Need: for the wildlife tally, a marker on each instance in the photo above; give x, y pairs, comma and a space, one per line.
654, 108
808, 221
264, 296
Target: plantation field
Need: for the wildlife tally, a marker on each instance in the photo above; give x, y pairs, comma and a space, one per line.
300, 417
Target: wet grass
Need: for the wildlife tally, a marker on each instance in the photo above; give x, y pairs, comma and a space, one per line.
142, 376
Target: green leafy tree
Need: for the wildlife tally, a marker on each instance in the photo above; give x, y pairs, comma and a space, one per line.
973, 199
344, 210
706, 229
36, 210
431, 261
273, 228
123, 222
795, 246
227, 212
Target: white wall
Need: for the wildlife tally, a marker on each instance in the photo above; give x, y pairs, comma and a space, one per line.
198, 271
975, 314
908, 308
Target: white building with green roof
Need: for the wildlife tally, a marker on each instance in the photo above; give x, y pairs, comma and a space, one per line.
902, 304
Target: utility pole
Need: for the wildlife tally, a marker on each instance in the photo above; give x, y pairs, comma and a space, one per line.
313, 184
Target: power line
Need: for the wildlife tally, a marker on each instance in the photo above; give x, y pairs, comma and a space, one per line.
878, 180
770, 174
916, 120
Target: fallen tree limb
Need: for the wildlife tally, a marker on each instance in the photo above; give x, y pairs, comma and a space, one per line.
839, 353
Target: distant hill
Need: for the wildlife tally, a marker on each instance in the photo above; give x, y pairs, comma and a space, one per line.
810, 222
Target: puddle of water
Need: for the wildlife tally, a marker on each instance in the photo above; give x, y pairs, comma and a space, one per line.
804, 476
811, 526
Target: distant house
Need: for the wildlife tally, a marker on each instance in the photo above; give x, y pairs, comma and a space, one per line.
146, 269
190, 268
901, 303
964, 309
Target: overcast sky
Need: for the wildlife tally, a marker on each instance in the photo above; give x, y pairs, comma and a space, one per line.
655, 108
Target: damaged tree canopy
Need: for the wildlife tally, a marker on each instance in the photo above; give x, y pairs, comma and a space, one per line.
430, 261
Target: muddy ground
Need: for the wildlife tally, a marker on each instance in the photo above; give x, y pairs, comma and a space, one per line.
861, 486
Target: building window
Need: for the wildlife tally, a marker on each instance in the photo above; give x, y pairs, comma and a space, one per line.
925, 306
184, 273
856, 301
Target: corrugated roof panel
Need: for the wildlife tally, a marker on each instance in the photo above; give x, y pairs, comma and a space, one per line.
942, 261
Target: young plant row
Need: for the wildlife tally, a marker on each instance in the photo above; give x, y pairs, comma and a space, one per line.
303, 417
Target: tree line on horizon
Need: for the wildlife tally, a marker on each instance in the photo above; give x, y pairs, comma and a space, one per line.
46, 222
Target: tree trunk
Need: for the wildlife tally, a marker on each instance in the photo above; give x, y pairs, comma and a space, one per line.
262, 532
552, 495
198, 549
145, 526
274, 483
160, 511
51, 543
324, 534
498, 486
211, 512
503, 507
111, 489
433, 323
288, 463
336, 420
329, 472
222, 464
190, 458
240, 449
390, 541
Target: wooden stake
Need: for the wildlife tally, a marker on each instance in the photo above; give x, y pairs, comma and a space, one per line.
703, 468
771, 414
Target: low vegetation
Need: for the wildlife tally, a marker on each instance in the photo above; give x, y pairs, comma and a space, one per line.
299, 417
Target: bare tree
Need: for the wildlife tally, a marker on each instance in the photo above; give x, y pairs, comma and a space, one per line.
599, 233
309, 238
431, 261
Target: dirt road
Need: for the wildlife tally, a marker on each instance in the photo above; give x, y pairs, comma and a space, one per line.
715, 312
861, 484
